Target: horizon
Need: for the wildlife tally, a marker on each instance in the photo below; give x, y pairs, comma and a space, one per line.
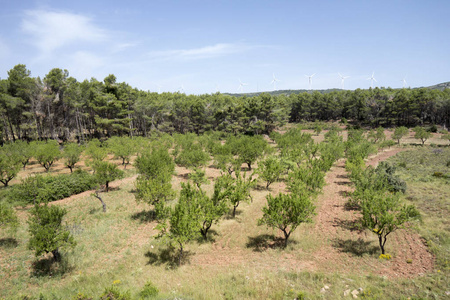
206, 47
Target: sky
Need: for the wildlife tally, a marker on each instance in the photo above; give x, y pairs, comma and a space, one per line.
205, 46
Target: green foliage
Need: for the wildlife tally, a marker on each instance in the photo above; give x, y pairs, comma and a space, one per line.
238, 188
152, 163
287, 211
377, 135
10, 163
248, 148
114, 293
198, 177
123, 148
183, 220
24, 151
105, 172
399, 132
46, 231
148, 291
304, 179
95, 151
192, 157
8, 216
71, 155
270, 170
36, 189
383, 213
153, 184
421, 134
46, 153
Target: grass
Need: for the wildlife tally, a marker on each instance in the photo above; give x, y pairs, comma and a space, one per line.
241, 260
430, 194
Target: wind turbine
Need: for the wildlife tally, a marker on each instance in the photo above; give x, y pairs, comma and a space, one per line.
159, 88
342, 79
274, 82
241, 86
404, 82
181, 89
372, 79
310, 79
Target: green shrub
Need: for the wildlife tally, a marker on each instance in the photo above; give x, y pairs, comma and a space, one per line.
51, 188
114, 293
149, 291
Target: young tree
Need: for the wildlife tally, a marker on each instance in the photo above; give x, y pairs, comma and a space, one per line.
9, 164
183, 221
377, 135
287, 211
95, 151
24, 151
421, 134
270, 170
46, 231
248, 148
153, 184
383, 213
198, 177
399, 133
71, 155
239, 189
105, 172
47, 153
123, 148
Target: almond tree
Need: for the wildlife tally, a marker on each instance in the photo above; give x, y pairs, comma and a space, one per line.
287, 211
383, 213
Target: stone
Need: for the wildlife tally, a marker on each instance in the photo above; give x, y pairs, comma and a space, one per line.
346, 292
355, 294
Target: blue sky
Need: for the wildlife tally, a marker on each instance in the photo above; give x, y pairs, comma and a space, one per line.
205, 46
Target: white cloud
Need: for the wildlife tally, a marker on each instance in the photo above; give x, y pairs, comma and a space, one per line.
85, 65
199, 53
51, 30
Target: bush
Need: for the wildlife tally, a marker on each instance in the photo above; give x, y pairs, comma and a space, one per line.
51, 188
149, 291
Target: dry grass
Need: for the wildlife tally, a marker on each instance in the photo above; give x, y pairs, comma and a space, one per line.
240, 261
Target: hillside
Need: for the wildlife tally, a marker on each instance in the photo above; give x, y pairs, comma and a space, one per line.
440, 86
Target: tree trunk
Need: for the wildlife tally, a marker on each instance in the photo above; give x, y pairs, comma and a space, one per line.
181, 254
99, 198
380, 240
286, 237
56, 255
234, 209
204, 230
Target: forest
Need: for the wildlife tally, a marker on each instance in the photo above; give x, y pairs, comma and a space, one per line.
60, 107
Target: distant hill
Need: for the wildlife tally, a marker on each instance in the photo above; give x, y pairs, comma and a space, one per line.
440, 86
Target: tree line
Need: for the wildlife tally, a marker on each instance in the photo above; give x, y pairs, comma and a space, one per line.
60, 107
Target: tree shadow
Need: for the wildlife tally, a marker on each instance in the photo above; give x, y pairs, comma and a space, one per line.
145, 216
8, 243
352, 206
345, 193
342, 182
262, 242
351, 225
210, 237
229, 215
95, 210
344, 176
48, 267
184, 176
168, 256
358, 247
261, 187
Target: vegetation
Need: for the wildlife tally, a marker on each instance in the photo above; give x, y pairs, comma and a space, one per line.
287, 211
47, 233
46, 153
105, 172
71, 155
9, 164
